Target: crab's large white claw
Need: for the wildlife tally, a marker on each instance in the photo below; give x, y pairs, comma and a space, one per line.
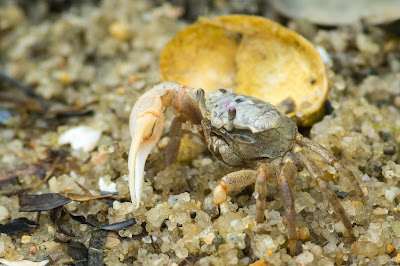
146, 124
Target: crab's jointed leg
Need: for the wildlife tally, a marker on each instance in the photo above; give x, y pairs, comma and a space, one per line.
231, 182
289, 172
318, 177
175, 134
266, 172
333, 161
261, 189
146, 124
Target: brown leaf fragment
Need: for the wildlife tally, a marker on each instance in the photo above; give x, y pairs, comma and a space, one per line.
96, 248
21, 224
78, 197
36, 102
78, 252
44, 202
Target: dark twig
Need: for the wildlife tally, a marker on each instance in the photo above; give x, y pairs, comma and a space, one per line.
26, 90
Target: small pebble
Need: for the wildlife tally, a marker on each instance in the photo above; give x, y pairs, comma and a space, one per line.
259, 263
236, 240
341, 194
316, 251
193, 215
380, 211
4, 214
120, 30
389, 248
64, 77
389, 150
398, 258
339, 258
208, 239
33, 250
99, 158
25, 239
304, 258
217, 241
147, 239
364, 248
396, 228
189, 229
112, 242
304, 234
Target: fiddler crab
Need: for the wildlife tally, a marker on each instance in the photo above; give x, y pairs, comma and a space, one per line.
240, 131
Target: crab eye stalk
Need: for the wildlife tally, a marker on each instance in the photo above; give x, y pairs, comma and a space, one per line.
200, 97
231, 117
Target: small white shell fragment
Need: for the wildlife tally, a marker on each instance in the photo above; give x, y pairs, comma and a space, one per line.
23, 263
4, 214
107, 185
80, 137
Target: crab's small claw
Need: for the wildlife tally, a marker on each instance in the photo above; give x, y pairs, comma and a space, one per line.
146, 124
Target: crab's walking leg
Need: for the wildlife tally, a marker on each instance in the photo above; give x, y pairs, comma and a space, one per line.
286, 175
266, 172
261, 190
231, 182
317, 175
175, 134
146, 124
240, 179
333, 161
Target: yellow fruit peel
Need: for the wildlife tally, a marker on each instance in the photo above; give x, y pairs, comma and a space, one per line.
252, 55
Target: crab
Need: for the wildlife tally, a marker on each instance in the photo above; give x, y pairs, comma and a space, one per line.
240, 131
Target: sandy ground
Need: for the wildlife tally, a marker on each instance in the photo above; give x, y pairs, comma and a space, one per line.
95, 59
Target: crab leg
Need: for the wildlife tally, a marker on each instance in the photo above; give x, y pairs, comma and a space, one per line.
261, 189
317, 175
231, 182
333, 161
242, 178
146, 124
175, 134
266, 172
288, 172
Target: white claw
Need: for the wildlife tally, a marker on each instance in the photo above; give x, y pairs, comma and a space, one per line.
146, 124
